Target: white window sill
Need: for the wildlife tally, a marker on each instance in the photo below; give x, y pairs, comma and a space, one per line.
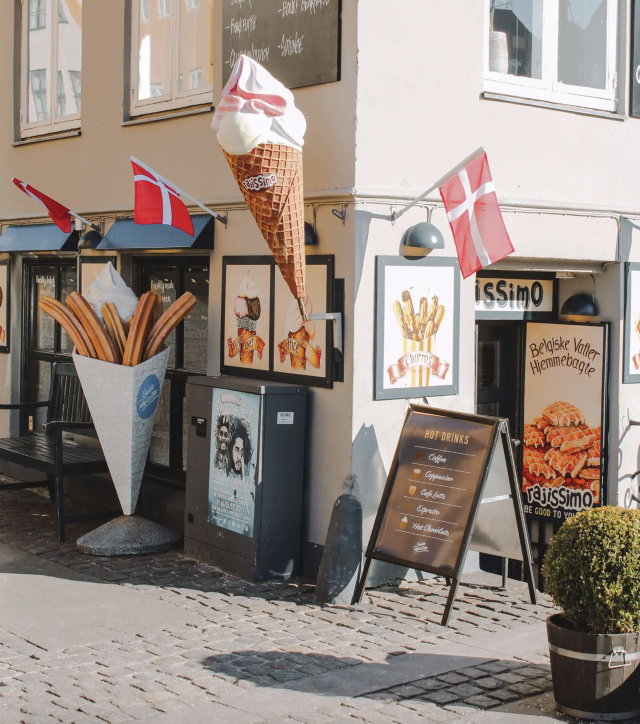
165, 116
580, 110
51, 136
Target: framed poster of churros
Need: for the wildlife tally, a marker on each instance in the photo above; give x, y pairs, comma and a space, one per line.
5, 301
631, 363
417, 327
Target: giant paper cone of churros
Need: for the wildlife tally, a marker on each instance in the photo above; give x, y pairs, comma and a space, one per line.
261, 133
121, 364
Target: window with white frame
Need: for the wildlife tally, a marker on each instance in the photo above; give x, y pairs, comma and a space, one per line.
171, 54
51, 66
563, 51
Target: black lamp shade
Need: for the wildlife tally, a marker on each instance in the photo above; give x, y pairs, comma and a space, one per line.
310, 236
423, 236
90, 240
581, 305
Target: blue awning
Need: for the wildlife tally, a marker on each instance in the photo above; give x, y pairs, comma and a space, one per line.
38, 237
126, 234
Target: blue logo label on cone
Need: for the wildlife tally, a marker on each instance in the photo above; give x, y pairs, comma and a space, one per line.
148, 396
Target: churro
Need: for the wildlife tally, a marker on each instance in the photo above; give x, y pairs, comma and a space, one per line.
397, 310
140, 325
104, 347
70, 324
168, 322
114, 327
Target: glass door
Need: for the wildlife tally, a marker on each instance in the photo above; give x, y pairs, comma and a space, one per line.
171, 277
44, 341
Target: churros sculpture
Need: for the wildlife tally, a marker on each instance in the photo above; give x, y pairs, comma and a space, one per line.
110, 342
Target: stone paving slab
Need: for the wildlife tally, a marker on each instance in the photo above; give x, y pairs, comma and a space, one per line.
193, 640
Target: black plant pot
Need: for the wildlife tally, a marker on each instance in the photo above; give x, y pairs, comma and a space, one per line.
592, 677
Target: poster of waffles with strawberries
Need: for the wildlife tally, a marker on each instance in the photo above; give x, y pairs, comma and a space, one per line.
562, 453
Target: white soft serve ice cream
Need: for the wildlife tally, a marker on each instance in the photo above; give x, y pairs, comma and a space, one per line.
294, 318
110, 287
256, 109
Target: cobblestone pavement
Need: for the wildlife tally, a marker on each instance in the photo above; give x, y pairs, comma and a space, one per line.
236, 638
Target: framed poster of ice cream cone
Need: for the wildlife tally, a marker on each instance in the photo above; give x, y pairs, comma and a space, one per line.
631, 364
417, 323
247, 298
5, 299
304, 349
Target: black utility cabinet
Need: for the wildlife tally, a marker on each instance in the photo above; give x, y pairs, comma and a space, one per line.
245, 473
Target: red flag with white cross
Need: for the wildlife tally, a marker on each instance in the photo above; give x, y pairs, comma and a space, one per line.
474, 215
157, 201
59, 214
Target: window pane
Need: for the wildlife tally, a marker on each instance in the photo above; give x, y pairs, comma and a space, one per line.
154, 49
515, 42
164, 282
39, 389
196, 53
39, 60
69, 57
69, 284
45, 286
159, 448
196, 281
582, 43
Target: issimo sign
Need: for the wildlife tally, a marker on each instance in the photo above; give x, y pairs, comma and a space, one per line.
514, 296
564, 436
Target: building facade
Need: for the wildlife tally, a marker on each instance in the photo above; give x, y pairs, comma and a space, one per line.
544, 85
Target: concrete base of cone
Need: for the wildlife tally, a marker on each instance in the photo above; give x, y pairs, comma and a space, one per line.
129, 535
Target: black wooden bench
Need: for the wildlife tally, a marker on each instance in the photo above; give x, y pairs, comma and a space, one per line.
48, 452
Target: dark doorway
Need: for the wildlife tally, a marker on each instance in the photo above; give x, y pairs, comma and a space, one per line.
499, 393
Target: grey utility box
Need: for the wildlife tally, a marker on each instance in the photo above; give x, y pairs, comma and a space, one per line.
245, 473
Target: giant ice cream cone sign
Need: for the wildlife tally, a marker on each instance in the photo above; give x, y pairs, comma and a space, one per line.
261, 133
123, 402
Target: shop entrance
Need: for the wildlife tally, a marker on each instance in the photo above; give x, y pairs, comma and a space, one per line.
499, 393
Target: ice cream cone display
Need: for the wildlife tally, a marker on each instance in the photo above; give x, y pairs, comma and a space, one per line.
261, 133
248, 311
298, 345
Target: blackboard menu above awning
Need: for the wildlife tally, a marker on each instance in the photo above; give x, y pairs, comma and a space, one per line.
126, 234
37, 237
297, 41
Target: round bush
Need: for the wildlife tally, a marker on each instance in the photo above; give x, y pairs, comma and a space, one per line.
592, 570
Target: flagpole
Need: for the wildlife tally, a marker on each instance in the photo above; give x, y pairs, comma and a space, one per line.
86, 222
397, 214
221, 219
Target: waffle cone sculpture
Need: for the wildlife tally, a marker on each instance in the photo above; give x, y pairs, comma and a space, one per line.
278, 209
261, 133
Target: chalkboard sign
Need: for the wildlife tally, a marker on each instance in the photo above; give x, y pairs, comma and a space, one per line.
450, 488
297, 41
634, 105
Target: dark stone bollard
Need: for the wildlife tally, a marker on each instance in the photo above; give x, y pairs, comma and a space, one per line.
342, 555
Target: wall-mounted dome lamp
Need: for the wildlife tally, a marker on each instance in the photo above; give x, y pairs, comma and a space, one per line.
420, 240
581, 307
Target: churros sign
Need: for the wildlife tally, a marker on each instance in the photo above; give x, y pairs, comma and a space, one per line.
419, 332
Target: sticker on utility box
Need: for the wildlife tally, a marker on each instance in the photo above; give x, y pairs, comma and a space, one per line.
285, 418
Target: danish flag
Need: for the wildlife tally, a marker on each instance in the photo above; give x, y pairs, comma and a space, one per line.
59, 214
474, 216
157, 201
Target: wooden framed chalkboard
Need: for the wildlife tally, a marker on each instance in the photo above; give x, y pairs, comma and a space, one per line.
452, 487
297, 41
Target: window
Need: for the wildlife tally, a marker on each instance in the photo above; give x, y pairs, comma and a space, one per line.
52, 63
37, 17
45, 341
562, 51
171, 47
172, 277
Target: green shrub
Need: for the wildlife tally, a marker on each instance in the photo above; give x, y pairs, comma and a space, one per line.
592, 570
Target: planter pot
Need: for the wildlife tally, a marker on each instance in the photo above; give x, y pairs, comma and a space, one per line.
498, 52
595, 676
